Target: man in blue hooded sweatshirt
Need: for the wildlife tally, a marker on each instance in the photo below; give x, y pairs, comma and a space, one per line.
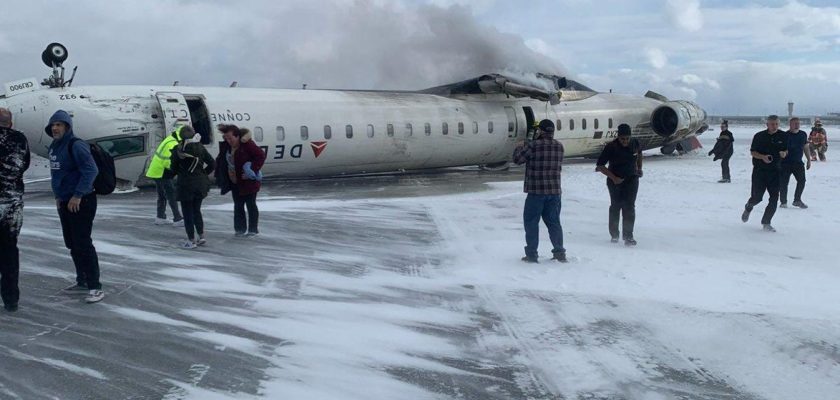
72, 171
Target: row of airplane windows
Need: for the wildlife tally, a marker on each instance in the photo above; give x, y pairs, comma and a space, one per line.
408, 129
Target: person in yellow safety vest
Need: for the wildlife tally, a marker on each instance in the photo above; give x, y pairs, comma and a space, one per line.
160, 172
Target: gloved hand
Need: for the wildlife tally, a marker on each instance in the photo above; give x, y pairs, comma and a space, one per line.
710, 152
639, 173
248, 172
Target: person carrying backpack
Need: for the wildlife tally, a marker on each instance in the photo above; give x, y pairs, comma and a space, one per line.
73, 171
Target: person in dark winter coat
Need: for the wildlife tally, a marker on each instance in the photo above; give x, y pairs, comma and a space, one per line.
72, 177
243, 160
723, 150
543, 159
192, 164
768, 148
14, 160
624, 156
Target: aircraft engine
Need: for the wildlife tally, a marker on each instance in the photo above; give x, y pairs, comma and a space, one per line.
674, 119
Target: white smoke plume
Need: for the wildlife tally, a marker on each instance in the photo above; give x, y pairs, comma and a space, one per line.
361, 44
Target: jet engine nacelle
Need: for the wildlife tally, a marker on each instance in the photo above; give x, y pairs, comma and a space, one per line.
676, 119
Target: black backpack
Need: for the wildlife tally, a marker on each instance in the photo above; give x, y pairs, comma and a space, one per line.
106, 180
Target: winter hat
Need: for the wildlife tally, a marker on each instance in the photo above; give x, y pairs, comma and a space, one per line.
624, 130
547, 126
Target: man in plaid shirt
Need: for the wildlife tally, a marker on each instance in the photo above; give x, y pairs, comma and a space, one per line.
543, 158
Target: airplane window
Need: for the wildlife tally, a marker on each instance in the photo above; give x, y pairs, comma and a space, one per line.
596, 124
370, 130
559, 125
281, 134
123, 146
349, 131
489, 126
304, 132
460, 128
408, 130
445, 128
475, 127
327, 132
390, 130
428, 128
583, 124
610, 123
258, 134
571, 124
511, 127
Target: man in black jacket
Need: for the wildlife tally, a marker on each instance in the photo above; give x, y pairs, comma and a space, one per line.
723, 150
14, 160
624, 156
768, 149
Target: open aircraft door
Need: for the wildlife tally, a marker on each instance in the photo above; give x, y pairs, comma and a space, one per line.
175, 112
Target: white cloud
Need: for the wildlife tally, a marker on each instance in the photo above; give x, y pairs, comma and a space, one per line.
694, 80
685, 14
656, 57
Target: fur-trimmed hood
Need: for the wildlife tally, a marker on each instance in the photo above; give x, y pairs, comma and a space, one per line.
245, 135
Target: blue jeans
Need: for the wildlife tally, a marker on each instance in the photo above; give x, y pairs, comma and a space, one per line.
547, 207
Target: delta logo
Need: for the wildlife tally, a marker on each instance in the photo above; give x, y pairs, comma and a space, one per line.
318, 147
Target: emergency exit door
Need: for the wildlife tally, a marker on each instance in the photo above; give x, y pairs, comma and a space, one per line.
175, 111
511, 120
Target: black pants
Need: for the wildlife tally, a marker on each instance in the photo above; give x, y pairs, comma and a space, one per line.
765, 180
239, 204
798, 172
193, 222
77, 228
724, 167
166, 194
9, 266
623, 203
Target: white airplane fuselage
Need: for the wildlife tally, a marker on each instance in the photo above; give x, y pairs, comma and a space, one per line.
317, 133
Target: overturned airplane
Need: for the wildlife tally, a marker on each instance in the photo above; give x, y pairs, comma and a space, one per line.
316, 133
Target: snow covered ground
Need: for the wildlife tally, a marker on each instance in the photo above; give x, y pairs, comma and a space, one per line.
410, 287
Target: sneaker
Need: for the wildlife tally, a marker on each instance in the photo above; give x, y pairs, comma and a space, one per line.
94, 296
768, 228
251, 234
76, 289
179, 223
800, 204
560, 257
783, 205
200, 242
532, 260
11, 307
614, 239
239, 234
629, 242
188, 244
162, 221
745, 216
724, 181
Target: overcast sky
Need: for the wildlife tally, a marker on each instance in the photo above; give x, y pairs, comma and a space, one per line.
732, 57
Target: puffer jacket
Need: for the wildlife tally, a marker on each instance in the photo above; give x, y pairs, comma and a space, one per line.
192, 164
14, 154
248, 151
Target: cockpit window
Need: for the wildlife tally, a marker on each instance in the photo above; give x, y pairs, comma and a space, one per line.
123, 146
